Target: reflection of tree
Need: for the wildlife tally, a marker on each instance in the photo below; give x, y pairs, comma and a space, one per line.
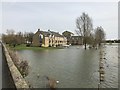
87, 62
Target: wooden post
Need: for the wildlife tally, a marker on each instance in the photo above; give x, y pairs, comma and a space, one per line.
101, 68
98, 86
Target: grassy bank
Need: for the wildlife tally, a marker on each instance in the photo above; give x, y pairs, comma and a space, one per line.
23, 47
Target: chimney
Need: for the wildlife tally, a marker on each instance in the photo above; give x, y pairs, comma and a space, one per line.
48, 30
38, 29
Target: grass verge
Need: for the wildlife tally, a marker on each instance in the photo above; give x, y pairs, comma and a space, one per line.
23, 47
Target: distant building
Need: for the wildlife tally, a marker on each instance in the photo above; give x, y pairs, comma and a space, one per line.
48, 39
71, 39
75, 40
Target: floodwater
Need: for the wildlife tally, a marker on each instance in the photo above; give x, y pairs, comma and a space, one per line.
74, 67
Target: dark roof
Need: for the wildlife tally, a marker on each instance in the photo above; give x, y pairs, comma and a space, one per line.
47, 33
44, 33
56, 34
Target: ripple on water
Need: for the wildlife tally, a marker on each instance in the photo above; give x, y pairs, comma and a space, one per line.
73, 67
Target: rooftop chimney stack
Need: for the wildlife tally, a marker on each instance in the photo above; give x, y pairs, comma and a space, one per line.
48, 30
38, 29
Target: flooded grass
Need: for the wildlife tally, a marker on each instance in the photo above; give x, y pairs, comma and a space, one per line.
23, 47
73, 67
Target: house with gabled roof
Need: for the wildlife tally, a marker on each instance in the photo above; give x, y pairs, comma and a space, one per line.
48, 39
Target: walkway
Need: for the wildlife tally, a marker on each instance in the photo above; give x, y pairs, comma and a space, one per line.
5, 77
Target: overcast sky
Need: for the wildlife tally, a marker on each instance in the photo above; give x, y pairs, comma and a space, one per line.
59, 16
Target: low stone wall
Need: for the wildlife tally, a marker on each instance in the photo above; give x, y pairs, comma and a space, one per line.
16, 75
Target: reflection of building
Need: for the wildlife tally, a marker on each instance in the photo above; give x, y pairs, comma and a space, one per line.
75, 40
48, 38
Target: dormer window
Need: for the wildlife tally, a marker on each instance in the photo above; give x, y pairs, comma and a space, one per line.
52, 35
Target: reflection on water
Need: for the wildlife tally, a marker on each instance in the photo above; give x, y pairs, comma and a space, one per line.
74, 67
111, 67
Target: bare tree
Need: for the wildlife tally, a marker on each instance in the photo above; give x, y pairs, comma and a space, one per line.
84, 27
10, 32
90, 40
99, 35
28, 37
10, 37
20, 38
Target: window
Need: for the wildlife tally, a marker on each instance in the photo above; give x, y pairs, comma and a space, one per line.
41, 36
49, 41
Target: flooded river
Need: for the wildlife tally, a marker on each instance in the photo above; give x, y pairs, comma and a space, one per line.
74, 67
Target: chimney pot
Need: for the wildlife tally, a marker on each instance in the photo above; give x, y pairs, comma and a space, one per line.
38, 29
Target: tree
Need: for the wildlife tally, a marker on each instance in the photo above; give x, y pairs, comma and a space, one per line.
28, 37
99, 35
10, 37
13, 39
10, 32
20, 38
84, 27
24, 68
90, 41
4, 39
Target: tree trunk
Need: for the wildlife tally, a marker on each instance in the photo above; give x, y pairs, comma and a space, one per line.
85, 42
85, 46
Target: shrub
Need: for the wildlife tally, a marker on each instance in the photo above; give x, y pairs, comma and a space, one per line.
24, 68
22, 65
28, 45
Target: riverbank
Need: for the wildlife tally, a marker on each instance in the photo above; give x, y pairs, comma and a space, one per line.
24, 47
14, 71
